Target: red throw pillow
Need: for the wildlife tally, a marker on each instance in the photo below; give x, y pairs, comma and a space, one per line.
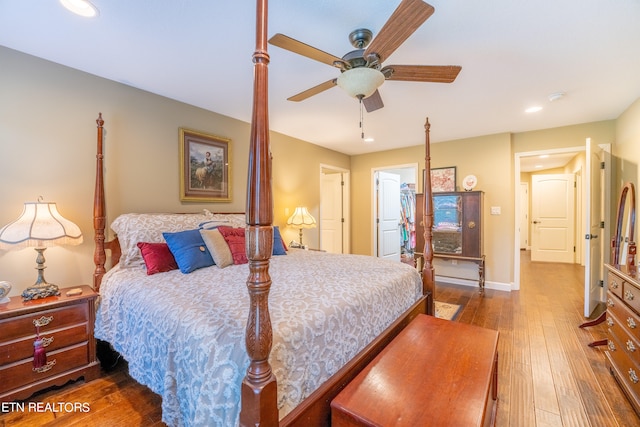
157, 257
235, 239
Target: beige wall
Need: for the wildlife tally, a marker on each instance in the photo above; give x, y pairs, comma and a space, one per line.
626, 153
488, 158
491, 159
47, 148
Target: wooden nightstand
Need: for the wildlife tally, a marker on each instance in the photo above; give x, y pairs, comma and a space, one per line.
66, 327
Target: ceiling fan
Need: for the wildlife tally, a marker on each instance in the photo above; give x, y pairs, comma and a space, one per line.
361, 69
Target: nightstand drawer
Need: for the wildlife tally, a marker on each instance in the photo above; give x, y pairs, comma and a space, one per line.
18, 374
22, 326
22, 348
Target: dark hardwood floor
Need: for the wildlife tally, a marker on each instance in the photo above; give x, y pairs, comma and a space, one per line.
548, 376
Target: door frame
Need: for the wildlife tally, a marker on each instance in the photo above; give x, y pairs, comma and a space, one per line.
374, 198
346, 197
516, 186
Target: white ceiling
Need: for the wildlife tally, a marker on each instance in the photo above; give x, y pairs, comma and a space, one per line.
513, 53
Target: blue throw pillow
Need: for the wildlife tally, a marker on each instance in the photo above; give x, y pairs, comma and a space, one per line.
278, 245
189, 250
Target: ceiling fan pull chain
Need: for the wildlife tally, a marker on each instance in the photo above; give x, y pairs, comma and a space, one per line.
361, 119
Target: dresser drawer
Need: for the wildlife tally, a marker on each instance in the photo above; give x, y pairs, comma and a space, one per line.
624, 342
23, 348
23, 326
18, 374
615, 284
623, 316
631, 296
627, 370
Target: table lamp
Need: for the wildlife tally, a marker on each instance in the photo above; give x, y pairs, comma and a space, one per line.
40, 226
301, 218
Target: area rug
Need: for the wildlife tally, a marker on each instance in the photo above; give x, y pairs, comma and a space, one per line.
446, 311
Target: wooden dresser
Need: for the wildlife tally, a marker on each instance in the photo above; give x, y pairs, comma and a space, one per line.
623, 319
66, 329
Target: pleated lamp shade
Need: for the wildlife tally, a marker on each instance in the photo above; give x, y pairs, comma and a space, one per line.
39, 226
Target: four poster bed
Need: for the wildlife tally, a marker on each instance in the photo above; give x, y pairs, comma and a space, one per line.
314, 319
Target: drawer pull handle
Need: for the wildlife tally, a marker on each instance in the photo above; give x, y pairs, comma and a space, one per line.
630, 346
43, 321
46, 367
633, 376
611, 345
46, 341
610, 302
628, 295
631, 323
610, 322
614, 284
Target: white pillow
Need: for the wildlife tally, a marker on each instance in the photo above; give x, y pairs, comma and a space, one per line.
133, 228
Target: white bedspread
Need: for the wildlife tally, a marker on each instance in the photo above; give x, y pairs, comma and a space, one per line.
183, 335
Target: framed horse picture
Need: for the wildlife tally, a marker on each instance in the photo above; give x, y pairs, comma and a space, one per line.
205, 167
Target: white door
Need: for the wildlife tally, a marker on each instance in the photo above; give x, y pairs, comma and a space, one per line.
552, 218
524, 215
388, 215
594, 219
331, 224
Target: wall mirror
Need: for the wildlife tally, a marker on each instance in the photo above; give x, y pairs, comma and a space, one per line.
625, 225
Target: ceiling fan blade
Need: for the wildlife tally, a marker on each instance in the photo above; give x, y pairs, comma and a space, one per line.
295, 46
406, 19
424, 73
313, 91
373, 102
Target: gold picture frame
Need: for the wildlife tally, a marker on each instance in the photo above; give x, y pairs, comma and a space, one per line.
205, 167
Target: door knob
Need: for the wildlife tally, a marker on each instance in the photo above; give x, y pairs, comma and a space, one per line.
537, 222
591, 236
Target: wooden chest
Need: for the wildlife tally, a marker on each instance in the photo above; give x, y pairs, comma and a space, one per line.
66, 329
623, 334
434, 373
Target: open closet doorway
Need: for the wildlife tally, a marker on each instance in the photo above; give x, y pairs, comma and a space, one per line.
334, 209
393, 209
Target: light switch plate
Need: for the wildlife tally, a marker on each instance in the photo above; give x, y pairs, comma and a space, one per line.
495, 210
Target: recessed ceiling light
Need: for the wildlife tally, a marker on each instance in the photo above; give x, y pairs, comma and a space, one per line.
83, 8
368, 140
534, 109
543, 156
538, 166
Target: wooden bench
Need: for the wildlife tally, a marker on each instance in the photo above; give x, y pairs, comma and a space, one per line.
434, 373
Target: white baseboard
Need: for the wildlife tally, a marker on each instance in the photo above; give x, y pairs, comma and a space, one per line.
474, 283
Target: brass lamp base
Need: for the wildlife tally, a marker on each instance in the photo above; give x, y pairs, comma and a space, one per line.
40, 289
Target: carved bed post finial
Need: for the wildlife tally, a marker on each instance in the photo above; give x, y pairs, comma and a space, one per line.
259, 388
428, 272
99, 256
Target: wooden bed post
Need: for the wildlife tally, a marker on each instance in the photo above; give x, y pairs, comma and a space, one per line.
99, 256
259, 388
428, 272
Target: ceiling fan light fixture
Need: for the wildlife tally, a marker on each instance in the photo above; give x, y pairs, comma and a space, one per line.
361, 81
83, 8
